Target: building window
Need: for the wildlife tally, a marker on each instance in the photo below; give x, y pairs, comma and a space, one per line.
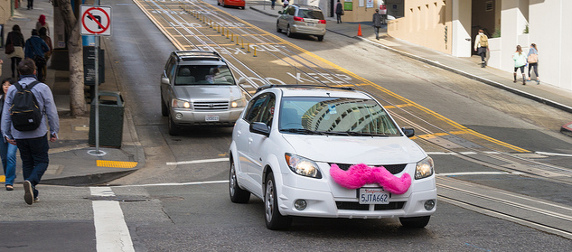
489, 6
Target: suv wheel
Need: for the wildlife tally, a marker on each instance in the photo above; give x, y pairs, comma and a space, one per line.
415, 222
237, 195
320, 38
164, 108
173, 129
289, 32
274, 220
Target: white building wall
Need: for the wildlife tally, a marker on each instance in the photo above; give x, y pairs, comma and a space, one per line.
462, 41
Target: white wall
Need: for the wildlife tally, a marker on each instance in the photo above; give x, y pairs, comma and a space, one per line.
461, 29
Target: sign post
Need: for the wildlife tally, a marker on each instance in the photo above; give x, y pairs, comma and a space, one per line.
96, 21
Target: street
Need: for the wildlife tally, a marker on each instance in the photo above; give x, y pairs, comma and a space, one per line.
503, 170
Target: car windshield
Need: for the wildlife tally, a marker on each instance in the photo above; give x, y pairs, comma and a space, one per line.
311, 14
335, 116
204, 75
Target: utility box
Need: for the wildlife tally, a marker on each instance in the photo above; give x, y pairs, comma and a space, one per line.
111, 111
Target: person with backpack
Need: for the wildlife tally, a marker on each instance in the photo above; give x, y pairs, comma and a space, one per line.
482, 46
28, 103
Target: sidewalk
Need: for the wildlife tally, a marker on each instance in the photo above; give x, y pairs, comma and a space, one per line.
469, 67
70, 162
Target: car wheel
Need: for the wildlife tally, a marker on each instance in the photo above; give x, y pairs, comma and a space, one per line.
173, 129
274, 220
164, 108
289, 32
320, 38
217, 3
415, 222
237, 195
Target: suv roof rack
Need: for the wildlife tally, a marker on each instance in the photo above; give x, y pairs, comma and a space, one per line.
300, 86
196, 53
307, 6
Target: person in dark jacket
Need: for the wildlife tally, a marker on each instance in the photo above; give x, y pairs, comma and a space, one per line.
339, 11
16, 39
47, 55
35, 49
377, 20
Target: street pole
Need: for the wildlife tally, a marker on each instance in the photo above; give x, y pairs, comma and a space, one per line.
96, 95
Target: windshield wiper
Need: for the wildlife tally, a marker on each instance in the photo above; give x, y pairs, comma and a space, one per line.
353, 133
303, 131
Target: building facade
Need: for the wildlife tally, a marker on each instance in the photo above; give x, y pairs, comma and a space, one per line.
450, 26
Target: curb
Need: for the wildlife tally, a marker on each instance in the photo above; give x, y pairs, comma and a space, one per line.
566, 129
87, 180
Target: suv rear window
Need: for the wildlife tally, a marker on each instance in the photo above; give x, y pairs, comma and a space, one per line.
204, 75
313, 14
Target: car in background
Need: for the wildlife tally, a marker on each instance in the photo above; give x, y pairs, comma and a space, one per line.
317, 151
198, 88
234, 3
302, 19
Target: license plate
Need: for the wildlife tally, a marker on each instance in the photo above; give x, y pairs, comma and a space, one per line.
211, 118
373, 196
311, 24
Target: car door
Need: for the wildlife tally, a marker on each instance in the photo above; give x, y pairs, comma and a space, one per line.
283, 18
260, 144
243, 139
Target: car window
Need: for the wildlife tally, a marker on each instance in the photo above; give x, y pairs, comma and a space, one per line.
255, 108
291, 11
336, 115
204, 75
170, 67
267, 113
313, 14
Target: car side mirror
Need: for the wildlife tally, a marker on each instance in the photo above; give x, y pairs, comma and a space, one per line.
260, 128
279, 12
409, 132
165, 80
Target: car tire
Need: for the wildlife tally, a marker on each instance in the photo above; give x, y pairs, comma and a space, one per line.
414, 222
164, 108
173, 128
274, 220
237, 195
289, 32
217, 3
320, 38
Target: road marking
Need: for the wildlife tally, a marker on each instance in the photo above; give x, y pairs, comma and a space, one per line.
477, 173
111, 232
179, 184
553, 154
214, 160
115, 164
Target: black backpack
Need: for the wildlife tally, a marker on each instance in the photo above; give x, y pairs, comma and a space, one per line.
25, 112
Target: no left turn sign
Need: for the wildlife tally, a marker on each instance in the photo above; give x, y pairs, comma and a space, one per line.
95, 20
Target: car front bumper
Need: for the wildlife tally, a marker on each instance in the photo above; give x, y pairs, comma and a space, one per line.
194, 117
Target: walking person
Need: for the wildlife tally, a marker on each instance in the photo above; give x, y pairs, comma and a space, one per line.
272, 4
377, 20
35, 49
42, 23
7, 150
339, 11
30, 4
519, 63
47, 54
482, 46
33, 143
15, 41
533, 62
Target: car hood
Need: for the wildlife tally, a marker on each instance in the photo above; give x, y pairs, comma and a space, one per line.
208, 92
354, 150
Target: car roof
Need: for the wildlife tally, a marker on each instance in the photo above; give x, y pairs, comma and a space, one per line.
197, 55
302, 6
316, 91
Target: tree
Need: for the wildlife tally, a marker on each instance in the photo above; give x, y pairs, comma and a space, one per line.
75, 50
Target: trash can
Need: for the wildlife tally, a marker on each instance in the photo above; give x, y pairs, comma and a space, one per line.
111, 110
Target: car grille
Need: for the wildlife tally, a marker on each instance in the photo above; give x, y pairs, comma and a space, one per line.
344, 205
210, 106
393, 169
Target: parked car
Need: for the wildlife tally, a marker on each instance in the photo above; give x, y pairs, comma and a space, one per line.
198, 88
302, 19
234, 3
328, 152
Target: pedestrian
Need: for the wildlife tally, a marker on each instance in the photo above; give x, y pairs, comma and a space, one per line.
482, 46
519, 63
35, 49
32, 144
377, 19
7, 150
15, 41
285, 4
339, 11
42, 23
533, 61
272, 4
47, 54
30, 4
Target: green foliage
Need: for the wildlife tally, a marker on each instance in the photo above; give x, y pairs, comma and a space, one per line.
497, 33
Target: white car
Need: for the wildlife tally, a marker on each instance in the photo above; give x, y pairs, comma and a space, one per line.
328, 152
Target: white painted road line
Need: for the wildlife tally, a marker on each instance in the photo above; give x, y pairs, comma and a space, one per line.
214, 160
178, 184
477, 173
553, 154
111, 232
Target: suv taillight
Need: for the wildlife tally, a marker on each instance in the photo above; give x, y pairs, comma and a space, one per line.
298, 19
322, 21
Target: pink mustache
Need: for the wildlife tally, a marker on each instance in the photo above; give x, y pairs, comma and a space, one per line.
359, 175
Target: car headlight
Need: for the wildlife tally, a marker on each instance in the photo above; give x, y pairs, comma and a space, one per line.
240, 103
302, 166
181, 104
424, 168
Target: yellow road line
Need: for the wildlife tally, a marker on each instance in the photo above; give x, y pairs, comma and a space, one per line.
116, 164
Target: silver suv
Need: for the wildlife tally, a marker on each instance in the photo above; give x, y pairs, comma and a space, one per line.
198, 88
303, 19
